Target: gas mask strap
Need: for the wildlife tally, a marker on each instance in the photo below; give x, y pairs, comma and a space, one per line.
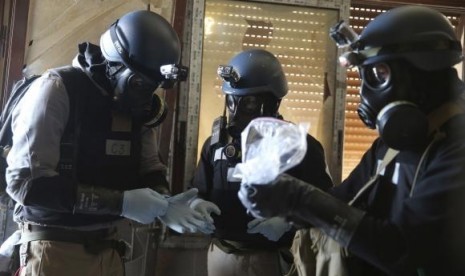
437, 136
443, 113
224, 106
117, 44
219, 133
388, 157
437, 118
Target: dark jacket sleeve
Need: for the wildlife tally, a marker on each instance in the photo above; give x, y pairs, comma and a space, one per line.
360, 174
313, 167
426, 230
55, 193
203, 174
157, 181
38, 123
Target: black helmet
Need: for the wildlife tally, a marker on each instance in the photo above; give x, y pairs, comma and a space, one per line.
143, 41
253, 72
422, 36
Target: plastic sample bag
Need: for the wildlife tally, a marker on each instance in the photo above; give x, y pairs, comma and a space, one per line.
269, 147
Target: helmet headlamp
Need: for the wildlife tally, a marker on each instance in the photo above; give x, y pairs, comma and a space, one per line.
228, 73
343, 34
357, 58
360, 57
174, 72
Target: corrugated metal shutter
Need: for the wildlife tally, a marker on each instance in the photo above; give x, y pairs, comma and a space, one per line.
298, 36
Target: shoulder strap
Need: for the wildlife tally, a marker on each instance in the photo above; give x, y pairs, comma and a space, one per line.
442, 114
73, 78
436, 120
438, 136
388, 157
75, 81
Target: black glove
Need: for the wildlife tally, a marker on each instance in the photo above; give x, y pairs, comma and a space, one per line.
98, 201
300, 202
268, 200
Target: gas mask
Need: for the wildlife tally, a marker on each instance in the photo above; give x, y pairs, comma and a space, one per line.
389, 95
389, 103
136, 97
242, 110
250, 96
143, 52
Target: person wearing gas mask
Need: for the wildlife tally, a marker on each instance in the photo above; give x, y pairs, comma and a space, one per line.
82, 162
254, 85
401, 211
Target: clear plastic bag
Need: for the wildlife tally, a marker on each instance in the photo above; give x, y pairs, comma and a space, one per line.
269, 147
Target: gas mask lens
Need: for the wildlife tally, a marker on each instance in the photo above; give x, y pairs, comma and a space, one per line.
376, 75
250, 104
246, 104
137, 83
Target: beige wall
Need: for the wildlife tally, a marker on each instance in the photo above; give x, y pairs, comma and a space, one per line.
56, 27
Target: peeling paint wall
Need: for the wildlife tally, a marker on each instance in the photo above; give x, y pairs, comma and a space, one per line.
56, 27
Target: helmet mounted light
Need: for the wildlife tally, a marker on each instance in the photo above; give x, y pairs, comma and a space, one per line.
228, 73
173, 73
356, 58
378, 54
143, 42
436, 43
343, 34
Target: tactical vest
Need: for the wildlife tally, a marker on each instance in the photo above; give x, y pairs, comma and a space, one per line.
98, 148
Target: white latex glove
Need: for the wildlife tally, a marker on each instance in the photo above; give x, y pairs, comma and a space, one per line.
180, 217
206, 208
143, 205
272, 228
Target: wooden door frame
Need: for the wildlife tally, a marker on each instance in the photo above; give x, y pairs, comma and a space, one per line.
15, 45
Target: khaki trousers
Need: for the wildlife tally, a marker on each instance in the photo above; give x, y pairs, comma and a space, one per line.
53, 258
254, 263
316, 254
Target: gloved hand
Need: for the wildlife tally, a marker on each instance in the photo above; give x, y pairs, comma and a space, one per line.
299, 201
143, 205
180, 217
272, 228
268, 200
206, 208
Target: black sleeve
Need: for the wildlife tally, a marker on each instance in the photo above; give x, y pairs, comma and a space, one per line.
55, 193
203, 174
425, 231
361, 174
157, 181
60, 194
313, 169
